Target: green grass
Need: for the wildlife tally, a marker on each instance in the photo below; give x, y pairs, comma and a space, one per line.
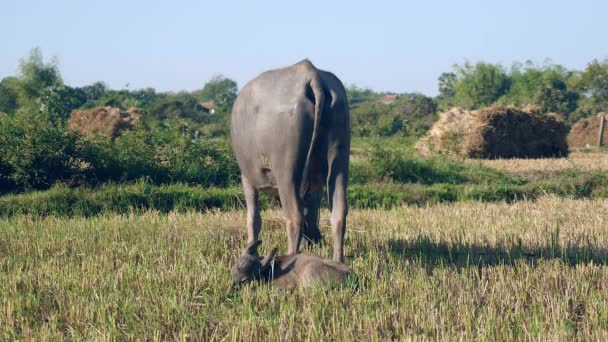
141, 196
384, 173
528, 270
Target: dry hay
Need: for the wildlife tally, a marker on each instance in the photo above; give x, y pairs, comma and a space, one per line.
447, 133
108, 121
496, 132
585, 132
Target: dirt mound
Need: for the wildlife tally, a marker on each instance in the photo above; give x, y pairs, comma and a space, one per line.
108, 121
585, 132
496, 132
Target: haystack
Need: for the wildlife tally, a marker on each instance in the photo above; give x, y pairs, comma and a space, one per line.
586, 131
108, 121
446, 135
496, 132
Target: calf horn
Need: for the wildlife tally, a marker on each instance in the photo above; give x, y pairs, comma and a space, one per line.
268, 259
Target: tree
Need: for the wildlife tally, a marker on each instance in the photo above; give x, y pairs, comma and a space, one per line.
221, 90
415, 105
593, 84
446, 85
417, 112
356, 94
34, 152
389, 125
554, 96
526, 79
480, 85
59, 101
544, 86
95, 91
35, 76
176, 106
9, 90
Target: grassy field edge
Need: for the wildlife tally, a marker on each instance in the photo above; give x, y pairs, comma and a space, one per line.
140, 196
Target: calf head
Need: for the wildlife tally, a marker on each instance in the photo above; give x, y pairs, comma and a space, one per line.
250, 265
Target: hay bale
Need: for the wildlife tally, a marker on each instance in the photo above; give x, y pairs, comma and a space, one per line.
108, 121
507, 132
585, 132
446, 135
497, 132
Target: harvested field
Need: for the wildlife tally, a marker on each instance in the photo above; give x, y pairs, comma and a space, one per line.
530, 270
580, 161
585, 132
106, 121
496, 132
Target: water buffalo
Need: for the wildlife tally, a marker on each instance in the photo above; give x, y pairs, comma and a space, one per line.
288, 272
290, 133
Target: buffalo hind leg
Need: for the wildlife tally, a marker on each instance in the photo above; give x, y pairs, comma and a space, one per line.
312, 206
337, 182
294, 216
254, 220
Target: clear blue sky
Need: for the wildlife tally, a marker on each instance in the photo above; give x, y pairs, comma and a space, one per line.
399, 46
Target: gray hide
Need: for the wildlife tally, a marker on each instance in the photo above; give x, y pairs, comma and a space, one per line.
290, 133
290, 271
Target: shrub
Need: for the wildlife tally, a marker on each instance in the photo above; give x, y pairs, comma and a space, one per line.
405, 167
35, 152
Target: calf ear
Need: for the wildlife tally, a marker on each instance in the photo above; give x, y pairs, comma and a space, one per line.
268, 259
252, 248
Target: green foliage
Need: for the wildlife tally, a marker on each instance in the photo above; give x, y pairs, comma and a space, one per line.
555, 97
221, 90
389, 125
162, 154
357, 95
141, 196
196, 162
592, 83
35, 152
177, 106
397, 166
94, 91
527, 79
64, 201
446, 85
35, 76
479, 85
142, 98
547, 87
417, 113
59, 101
410, 114
9, 91
39, 87
365, 115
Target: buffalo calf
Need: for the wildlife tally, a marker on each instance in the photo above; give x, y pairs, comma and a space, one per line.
290, 271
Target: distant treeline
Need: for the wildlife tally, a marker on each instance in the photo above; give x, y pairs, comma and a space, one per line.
550, 88
547, 88
37, 150
39, 88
